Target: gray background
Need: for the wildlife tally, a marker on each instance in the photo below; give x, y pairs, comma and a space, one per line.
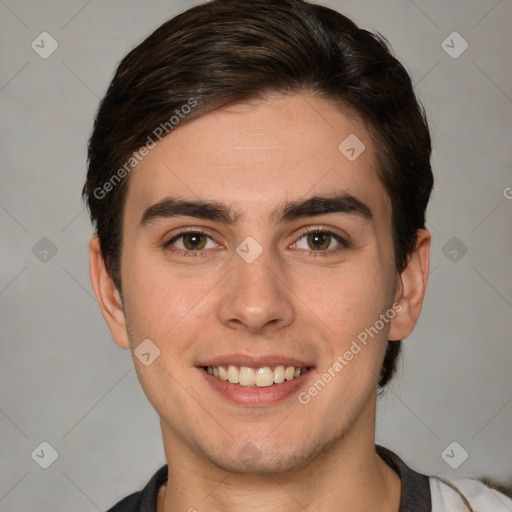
65, 382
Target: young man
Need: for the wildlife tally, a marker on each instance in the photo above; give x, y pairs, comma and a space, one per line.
258, 178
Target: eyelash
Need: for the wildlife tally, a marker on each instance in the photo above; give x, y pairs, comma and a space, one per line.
312, 253
328, 252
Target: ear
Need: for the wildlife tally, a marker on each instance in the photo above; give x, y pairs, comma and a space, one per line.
411, 287
108, 296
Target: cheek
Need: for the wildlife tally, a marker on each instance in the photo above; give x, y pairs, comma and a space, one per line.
169, 310
351, 304
164, 306
347, 300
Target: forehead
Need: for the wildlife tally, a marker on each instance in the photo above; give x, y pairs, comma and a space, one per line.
256, 155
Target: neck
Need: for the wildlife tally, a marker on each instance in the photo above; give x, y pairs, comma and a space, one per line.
346, 475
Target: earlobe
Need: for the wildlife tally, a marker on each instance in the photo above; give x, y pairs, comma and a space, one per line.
411, 288
108, 296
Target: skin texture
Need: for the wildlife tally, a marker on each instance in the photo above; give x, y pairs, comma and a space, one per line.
291, 301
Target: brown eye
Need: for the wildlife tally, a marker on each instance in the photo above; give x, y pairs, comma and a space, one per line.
194, 241
321, 243
191, 242
318, 241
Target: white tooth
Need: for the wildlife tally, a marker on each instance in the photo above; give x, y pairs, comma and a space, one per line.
289, 373
279, 374
233, 374
247, 376
223, 374
209, 370
215, 371
296, 374
264, 377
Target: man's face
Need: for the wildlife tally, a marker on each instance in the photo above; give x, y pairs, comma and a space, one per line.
267, 286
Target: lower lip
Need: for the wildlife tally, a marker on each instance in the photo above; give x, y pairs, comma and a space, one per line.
255, 396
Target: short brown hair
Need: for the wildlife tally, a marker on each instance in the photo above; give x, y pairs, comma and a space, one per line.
228, 51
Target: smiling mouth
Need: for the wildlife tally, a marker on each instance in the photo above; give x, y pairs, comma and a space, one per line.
262, 377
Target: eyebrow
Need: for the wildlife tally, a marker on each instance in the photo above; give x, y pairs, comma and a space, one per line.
216, 211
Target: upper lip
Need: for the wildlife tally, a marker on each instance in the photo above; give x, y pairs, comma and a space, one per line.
254, 361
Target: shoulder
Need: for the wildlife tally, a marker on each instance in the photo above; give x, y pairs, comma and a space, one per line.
145, 500
129, 504
446, 496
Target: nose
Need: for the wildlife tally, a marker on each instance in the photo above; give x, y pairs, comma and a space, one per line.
256, 296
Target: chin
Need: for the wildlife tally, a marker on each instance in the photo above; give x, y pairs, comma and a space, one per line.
264, 456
